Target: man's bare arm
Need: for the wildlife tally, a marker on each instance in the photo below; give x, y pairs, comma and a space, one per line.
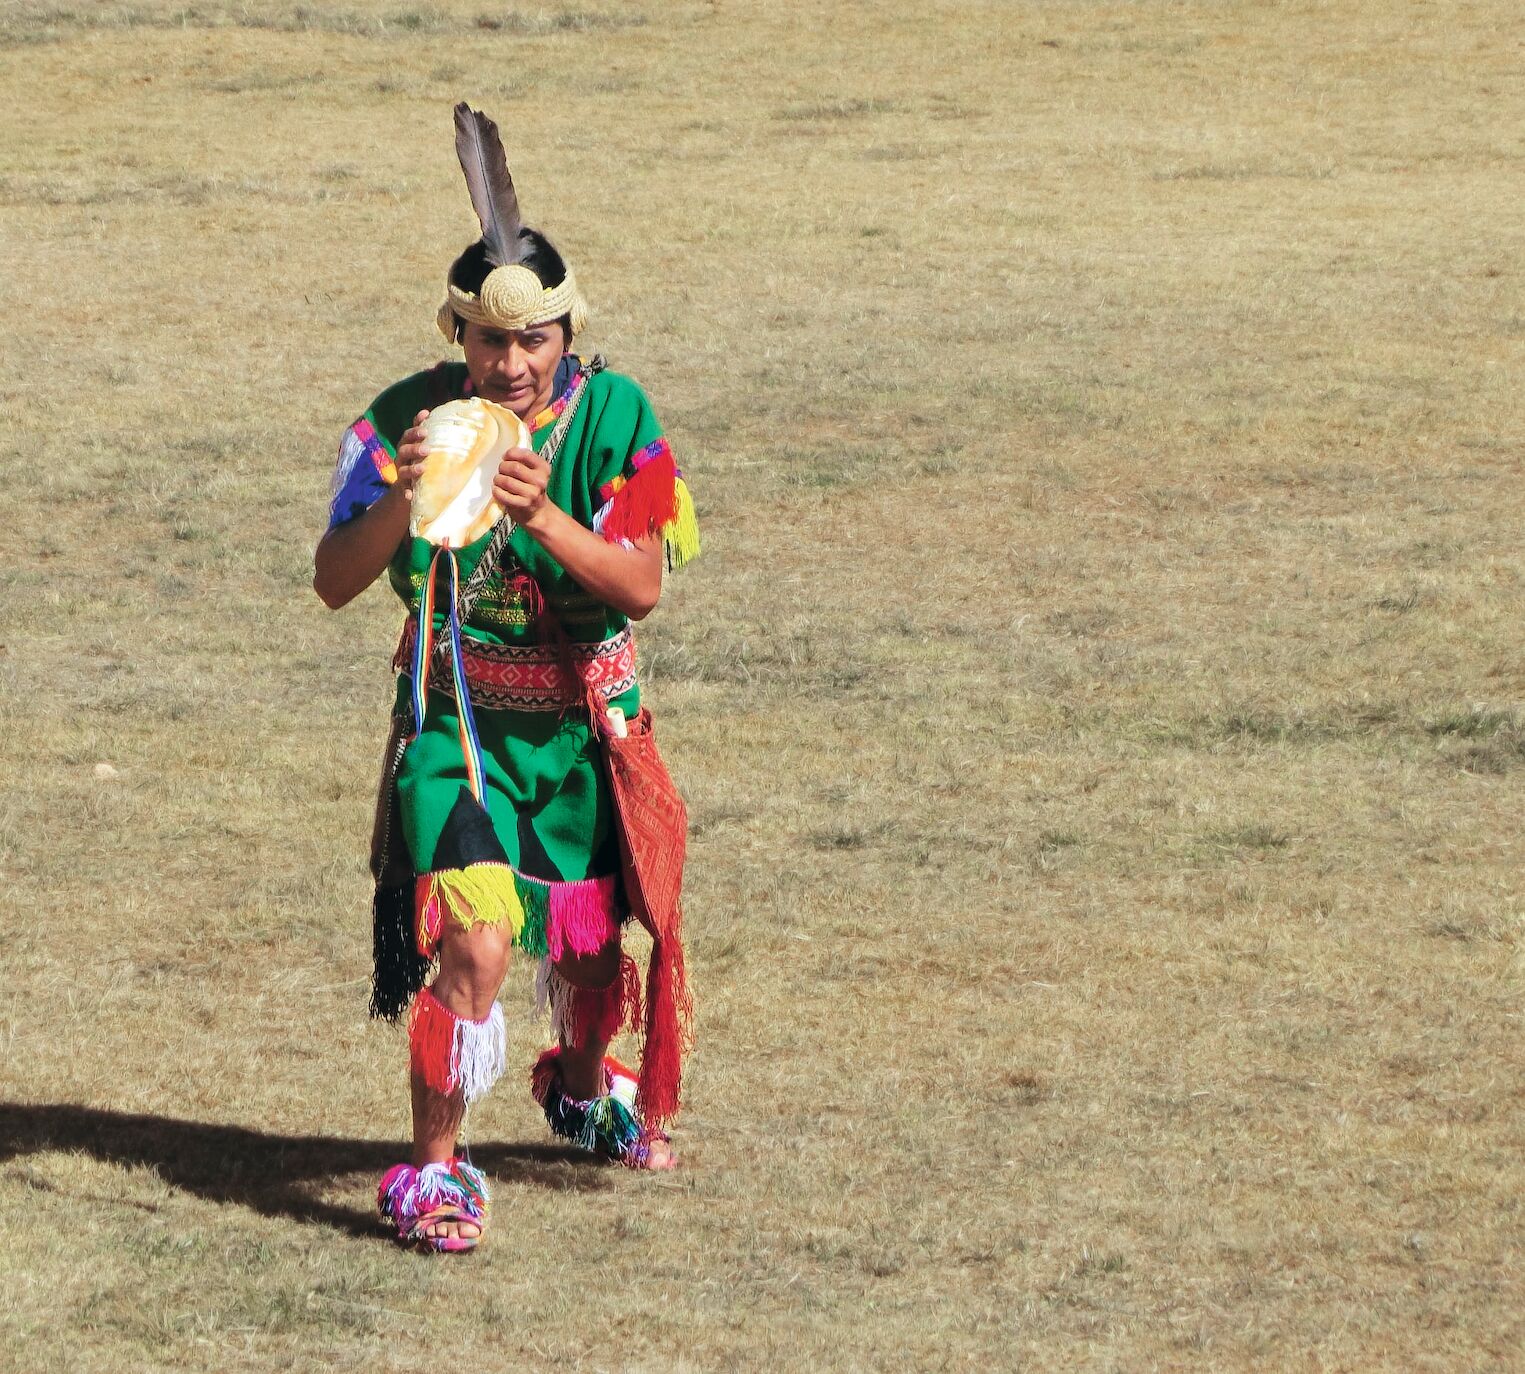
353, 555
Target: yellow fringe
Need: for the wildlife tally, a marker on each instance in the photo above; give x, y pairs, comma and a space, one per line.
483, 894
682, 531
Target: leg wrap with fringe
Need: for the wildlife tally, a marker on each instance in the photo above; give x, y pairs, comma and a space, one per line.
590, 1016
607, 1125
451, 1053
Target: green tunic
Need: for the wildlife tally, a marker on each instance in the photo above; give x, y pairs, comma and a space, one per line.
544, 786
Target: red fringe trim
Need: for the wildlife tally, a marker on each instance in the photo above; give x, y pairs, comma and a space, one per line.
646, 503
431, 1042
597, 1015
669, 1029
550, 630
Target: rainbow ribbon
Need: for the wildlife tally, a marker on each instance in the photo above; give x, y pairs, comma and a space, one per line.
423, 651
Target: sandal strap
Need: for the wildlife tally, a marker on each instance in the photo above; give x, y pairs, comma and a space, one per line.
414, 1235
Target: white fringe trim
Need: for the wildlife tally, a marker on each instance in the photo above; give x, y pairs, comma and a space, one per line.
480, 1054
554, 994
622, 1089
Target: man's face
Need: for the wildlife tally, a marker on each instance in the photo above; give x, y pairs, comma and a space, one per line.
514, 367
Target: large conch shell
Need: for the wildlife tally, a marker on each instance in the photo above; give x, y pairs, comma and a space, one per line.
464, 440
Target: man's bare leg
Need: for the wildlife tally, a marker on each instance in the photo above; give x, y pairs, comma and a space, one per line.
582, 1067
471, 970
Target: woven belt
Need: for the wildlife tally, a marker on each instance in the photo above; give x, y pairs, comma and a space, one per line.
529, 677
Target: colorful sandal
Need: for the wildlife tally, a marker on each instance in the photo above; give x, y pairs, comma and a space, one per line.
607, 1125
413, 1200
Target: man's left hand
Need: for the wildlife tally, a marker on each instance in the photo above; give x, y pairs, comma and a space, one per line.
520, 485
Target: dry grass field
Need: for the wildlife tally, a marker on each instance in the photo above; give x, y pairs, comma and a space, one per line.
1101, 698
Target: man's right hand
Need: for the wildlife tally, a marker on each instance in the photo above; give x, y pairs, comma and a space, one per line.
411, 454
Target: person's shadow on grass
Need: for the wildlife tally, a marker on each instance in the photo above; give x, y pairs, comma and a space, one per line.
276, 1175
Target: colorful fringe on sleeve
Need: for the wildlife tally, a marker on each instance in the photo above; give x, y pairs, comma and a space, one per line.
654, 499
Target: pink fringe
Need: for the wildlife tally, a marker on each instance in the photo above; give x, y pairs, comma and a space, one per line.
581, 917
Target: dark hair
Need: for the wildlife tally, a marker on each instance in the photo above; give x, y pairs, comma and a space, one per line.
469, 271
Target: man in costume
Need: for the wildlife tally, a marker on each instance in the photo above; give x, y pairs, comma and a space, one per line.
495, 824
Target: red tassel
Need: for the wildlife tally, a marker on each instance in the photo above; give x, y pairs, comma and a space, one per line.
669, 1030
595, 703
646, 503
431, 1042
550, 630
630, 996
524, 586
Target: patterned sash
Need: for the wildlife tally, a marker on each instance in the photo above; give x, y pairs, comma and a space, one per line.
529, 677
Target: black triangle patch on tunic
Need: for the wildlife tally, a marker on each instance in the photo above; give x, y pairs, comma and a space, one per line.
533, 858
468, 837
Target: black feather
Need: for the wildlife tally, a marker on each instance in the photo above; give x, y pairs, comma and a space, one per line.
492, 189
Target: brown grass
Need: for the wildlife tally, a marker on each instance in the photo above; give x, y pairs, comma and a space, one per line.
1100, 698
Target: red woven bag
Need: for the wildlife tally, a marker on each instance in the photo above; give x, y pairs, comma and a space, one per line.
653, 826
653, 837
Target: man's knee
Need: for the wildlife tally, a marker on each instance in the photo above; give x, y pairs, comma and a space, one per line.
476, 959
597, 970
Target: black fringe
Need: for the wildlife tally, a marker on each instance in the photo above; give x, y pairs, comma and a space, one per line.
399, 970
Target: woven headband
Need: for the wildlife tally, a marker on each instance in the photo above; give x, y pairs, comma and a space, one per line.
513, 298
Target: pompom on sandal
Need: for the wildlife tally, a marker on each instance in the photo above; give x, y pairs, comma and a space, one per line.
606, 1125
412, 1200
